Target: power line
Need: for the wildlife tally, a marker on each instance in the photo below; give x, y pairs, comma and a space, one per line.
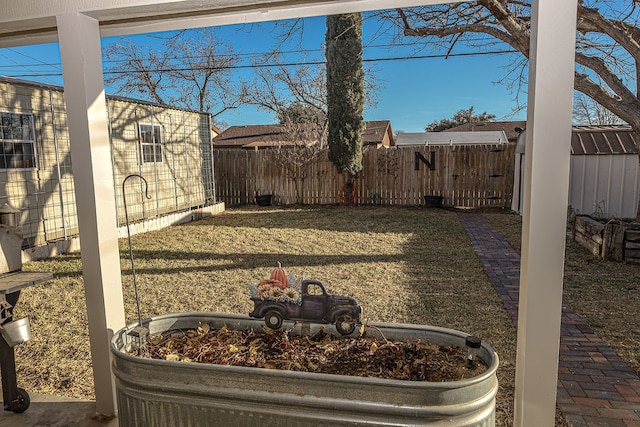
299, 51
287, 64
25, 55
17, 52
223, 55
16, 65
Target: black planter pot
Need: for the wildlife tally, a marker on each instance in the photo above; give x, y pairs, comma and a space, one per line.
433, 201
264, 200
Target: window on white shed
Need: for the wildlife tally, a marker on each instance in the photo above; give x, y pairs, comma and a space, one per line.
17, 141
150, 143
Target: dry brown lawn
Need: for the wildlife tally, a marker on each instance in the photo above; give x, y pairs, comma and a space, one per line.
407, 265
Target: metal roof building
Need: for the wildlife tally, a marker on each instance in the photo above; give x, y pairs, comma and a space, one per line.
604, 176
604, 140
413, 139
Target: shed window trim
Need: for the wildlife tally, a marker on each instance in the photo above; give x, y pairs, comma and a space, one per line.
150, 135
17, 141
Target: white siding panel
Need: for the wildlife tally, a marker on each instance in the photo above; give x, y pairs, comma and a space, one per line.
631, 187
577, 183
606, 186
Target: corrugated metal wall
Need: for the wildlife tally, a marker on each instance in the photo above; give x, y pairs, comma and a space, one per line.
605, 186
45, 195
604, 176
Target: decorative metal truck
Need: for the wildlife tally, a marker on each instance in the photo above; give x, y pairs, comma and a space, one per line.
311, 303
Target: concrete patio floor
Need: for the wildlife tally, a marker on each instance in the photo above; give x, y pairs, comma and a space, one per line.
56, 411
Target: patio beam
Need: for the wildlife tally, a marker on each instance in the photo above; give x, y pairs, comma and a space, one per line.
33, 21
548, 138
259, 11
93, 181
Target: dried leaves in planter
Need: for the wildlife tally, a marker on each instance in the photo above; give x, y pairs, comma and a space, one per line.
321, 353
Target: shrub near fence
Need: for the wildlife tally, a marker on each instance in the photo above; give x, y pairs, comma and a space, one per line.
465, 176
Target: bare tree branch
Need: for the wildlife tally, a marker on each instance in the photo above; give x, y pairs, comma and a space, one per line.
588, 112
608, 42
189, 69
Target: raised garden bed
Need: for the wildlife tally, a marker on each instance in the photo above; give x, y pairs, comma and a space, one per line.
612, 240
155, 392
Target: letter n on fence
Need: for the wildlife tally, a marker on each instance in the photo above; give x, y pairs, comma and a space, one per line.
431, 164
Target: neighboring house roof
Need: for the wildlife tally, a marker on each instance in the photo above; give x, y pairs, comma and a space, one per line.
251, 136
509, 128
262, 136
604, 140
376, 131
215, 131
409, 139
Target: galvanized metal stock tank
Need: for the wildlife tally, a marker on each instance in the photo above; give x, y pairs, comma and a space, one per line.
171, 393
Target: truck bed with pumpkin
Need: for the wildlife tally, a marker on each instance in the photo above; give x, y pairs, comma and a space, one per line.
311, 303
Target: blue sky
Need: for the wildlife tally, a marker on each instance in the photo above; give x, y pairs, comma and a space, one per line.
413, 92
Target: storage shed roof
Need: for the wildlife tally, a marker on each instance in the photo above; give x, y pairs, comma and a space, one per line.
58, 88
604, 140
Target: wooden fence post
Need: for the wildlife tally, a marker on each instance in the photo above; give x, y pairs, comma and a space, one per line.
632, 245
613, 242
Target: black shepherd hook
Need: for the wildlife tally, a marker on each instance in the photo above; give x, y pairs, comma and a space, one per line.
126, 216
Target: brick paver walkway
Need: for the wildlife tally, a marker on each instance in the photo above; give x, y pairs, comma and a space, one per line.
595, 386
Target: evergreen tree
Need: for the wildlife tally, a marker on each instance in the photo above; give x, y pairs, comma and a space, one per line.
345, 91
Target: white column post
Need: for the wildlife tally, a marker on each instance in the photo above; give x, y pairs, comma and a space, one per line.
551, 78
79, 37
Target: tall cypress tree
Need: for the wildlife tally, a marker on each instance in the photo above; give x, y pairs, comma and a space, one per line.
345, 91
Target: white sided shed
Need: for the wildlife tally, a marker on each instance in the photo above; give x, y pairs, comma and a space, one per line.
604, 172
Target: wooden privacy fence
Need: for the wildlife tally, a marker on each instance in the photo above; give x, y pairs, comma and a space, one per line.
467, 176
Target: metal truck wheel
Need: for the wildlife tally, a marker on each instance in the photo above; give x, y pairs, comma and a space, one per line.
345, 324
22, 403
273, 319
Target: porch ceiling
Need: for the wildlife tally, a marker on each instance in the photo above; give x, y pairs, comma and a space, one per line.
34, 21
